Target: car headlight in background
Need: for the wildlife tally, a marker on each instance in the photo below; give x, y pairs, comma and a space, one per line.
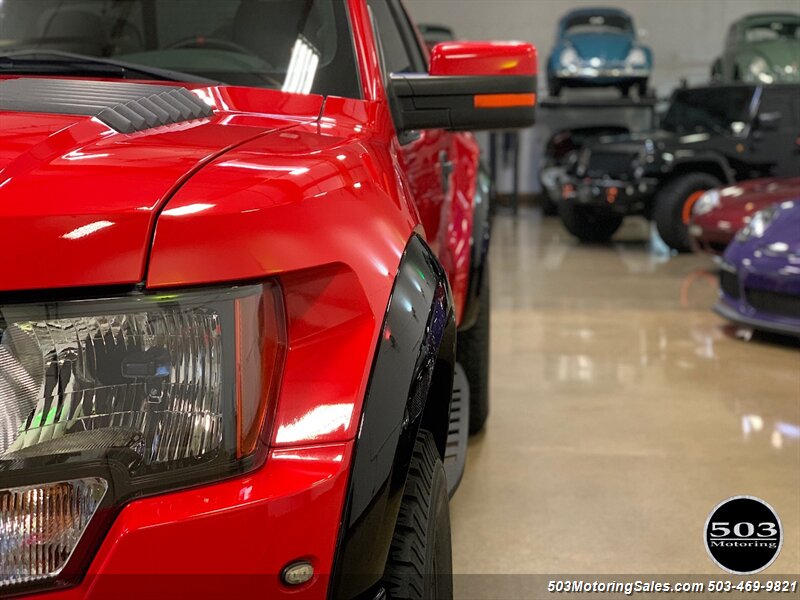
758, 225
707, 202
636, 58
759, 70
569, 57
103, 401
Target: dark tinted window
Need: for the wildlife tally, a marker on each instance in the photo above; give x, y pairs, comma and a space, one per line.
296, 45
708, 109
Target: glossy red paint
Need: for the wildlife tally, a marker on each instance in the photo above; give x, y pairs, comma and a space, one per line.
316, 193
110, 187
713, 231
231, 539
484, 58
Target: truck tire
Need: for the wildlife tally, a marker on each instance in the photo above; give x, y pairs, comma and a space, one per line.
420, 564
587, 224
673, 207
473, 354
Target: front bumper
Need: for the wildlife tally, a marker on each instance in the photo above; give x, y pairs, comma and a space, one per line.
758, 300
228, 540
613, 195
602, 75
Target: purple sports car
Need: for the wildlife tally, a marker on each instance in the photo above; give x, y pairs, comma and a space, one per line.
760, 277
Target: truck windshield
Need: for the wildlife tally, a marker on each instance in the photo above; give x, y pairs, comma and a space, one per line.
299, 46
708, 110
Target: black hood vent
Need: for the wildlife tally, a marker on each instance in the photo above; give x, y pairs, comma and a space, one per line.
125, 107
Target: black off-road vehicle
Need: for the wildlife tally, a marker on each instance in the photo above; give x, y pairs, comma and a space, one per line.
709, 137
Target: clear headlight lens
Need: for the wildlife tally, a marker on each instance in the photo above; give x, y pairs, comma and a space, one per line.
759, 70
40, 526
707, 202
637, 58
163, 391
758, 225
569, 57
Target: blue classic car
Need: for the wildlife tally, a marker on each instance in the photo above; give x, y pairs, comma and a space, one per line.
598, 47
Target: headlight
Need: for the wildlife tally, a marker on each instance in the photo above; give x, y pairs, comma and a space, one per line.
637, 58
759, 70
758, 225
707, 202
103, 401
569, 57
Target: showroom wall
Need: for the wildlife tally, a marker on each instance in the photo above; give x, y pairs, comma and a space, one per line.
686, 35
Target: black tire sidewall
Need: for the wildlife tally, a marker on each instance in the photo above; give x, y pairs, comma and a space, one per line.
588, 225
670, 202
473, 354
420, 563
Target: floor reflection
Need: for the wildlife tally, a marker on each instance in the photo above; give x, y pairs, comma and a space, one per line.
621, 404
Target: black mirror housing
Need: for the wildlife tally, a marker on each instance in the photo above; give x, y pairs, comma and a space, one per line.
464, 103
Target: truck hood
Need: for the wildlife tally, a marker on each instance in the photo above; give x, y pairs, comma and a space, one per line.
658, 140
79, 199
631, 143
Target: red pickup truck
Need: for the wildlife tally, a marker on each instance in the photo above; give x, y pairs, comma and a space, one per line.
245, 246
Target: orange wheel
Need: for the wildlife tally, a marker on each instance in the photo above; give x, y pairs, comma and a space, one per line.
689, 205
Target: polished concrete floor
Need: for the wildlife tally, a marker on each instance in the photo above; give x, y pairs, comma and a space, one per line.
623, 410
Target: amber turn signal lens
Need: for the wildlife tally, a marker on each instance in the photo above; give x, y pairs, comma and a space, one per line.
505, 100
260, 347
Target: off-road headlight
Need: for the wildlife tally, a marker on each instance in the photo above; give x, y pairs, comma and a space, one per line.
104, 401
707, 202
636, 58
569, 57
759, 70
758, 224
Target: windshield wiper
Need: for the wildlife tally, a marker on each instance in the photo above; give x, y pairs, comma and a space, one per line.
42, 62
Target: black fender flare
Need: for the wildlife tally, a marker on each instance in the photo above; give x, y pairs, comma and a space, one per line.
687, 159
410, 387
479, 243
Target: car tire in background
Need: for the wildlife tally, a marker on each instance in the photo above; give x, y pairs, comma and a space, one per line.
420, 564
473, 355
554, 87
587, 224
673, 207
642, 89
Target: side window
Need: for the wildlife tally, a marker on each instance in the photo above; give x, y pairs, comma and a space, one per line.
400, 54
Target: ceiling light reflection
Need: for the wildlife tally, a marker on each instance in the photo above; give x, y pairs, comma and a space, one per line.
86, 230
319, 422
189, 209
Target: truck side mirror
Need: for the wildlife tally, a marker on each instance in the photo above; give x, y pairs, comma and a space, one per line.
470, 86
